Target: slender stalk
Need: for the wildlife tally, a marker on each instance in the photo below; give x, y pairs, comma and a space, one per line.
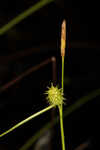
61, 109
61, 127
62, 74
26, 120
24, 15
63, 45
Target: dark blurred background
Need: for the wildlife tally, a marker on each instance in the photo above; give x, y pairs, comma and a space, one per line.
33, 41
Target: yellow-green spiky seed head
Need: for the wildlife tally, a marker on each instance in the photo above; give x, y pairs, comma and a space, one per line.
55, 95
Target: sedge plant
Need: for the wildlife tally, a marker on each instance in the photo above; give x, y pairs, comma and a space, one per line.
79, 103
55, 96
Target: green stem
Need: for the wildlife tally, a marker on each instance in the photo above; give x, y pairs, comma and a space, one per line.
62, 74
26, 120
61, 127
61, 109
23, 15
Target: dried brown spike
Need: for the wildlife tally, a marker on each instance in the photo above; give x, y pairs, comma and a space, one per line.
63, 38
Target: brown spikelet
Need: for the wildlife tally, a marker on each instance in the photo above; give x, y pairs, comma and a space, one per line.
63, 38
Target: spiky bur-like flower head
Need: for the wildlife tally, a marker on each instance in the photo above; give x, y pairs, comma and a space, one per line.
55, 95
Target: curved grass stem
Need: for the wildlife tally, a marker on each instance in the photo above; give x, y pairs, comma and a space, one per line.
24, 15
26, 120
